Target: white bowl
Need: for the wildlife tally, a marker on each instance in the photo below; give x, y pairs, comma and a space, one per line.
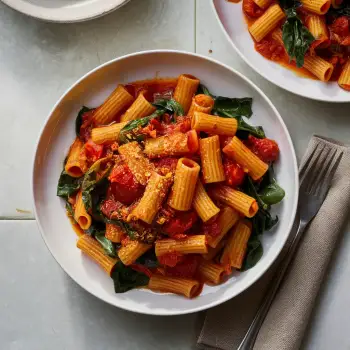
65, 10
58, 133
232, 22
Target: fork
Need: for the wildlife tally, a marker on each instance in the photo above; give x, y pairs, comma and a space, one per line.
315, 183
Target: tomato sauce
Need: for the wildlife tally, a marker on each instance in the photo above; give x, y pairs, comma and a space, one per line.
152, 88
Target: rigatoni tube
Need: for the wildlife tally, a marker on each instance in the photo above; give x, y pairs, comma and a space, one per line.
236, 246
155, 192
238, 200
203, 204
186, 87
117, 102
94, 250
195, 244
213, 124
185, 180
237, 151
210, 152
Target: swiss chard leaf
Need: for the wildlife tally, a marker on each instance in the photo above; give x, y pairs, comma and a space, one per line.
170, 106
125, 278
107, 245
296, 37
202, 89
254, 253
286, 4
98, 230
79, 119
149, 259
95, 184
127, 134
125, 226
270, 192
235, 107
67, 185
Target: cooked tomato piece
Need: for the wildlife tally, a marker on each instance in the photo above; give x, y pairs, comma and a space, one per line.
270, 49
233, 172
340, 26
170, 258
124, 185
251, 9
181, 223
266, 149
93, 151
187, 268
183, 124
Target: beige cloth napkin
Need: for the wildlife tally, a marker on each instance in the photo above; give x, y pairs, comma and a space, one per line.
284, 327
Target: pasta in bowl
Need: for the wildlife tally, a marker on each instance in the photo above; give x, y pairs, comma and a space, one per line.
168, 187
302, 46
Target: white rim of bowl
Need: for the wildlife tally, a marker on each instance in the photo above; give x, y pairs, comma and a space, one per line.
246, 60
63, 16
296, 180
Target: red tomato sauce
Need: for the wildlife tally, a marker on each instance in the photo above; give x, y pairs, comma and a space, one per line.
152, 88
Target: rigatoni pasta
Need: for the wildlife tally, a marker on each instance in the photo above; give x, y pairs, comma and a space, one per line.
119, 100
267, 22
210, 152
186, 176
139, 109
159, 199
186, 87
246, 158
214, 124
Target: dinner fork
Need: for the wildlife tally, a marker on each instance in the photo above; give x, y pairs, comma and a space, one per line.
315, 183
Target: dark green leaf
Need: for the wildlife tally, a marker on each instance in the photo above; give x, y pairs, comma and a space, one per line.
107, 245
149, 259
70, 210
254, 253
125, 278
296, 37
67, 185
96, 228
92, 189
272, 194
202, 89
79, 119
127, 134
286, 4
270, 191
235, 107
170, 106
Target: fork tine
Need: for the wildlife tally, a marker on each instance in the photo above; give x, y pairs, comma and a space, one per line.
315, 185
325, 186
307, 162
310, 174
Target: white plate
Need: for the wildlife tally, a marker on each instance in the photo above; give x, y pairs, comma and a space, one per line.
65, 10
231, 19
58, 133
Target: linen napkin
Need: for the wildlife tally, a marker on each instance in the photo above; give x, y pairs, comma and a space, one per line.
284, 326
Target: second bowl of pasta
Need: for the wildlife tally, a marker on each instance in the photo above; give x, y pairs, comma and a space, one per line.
301, 46
165, 183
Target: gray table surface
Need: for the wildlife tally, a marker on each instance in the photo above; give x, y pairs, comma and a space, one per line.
40, 306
